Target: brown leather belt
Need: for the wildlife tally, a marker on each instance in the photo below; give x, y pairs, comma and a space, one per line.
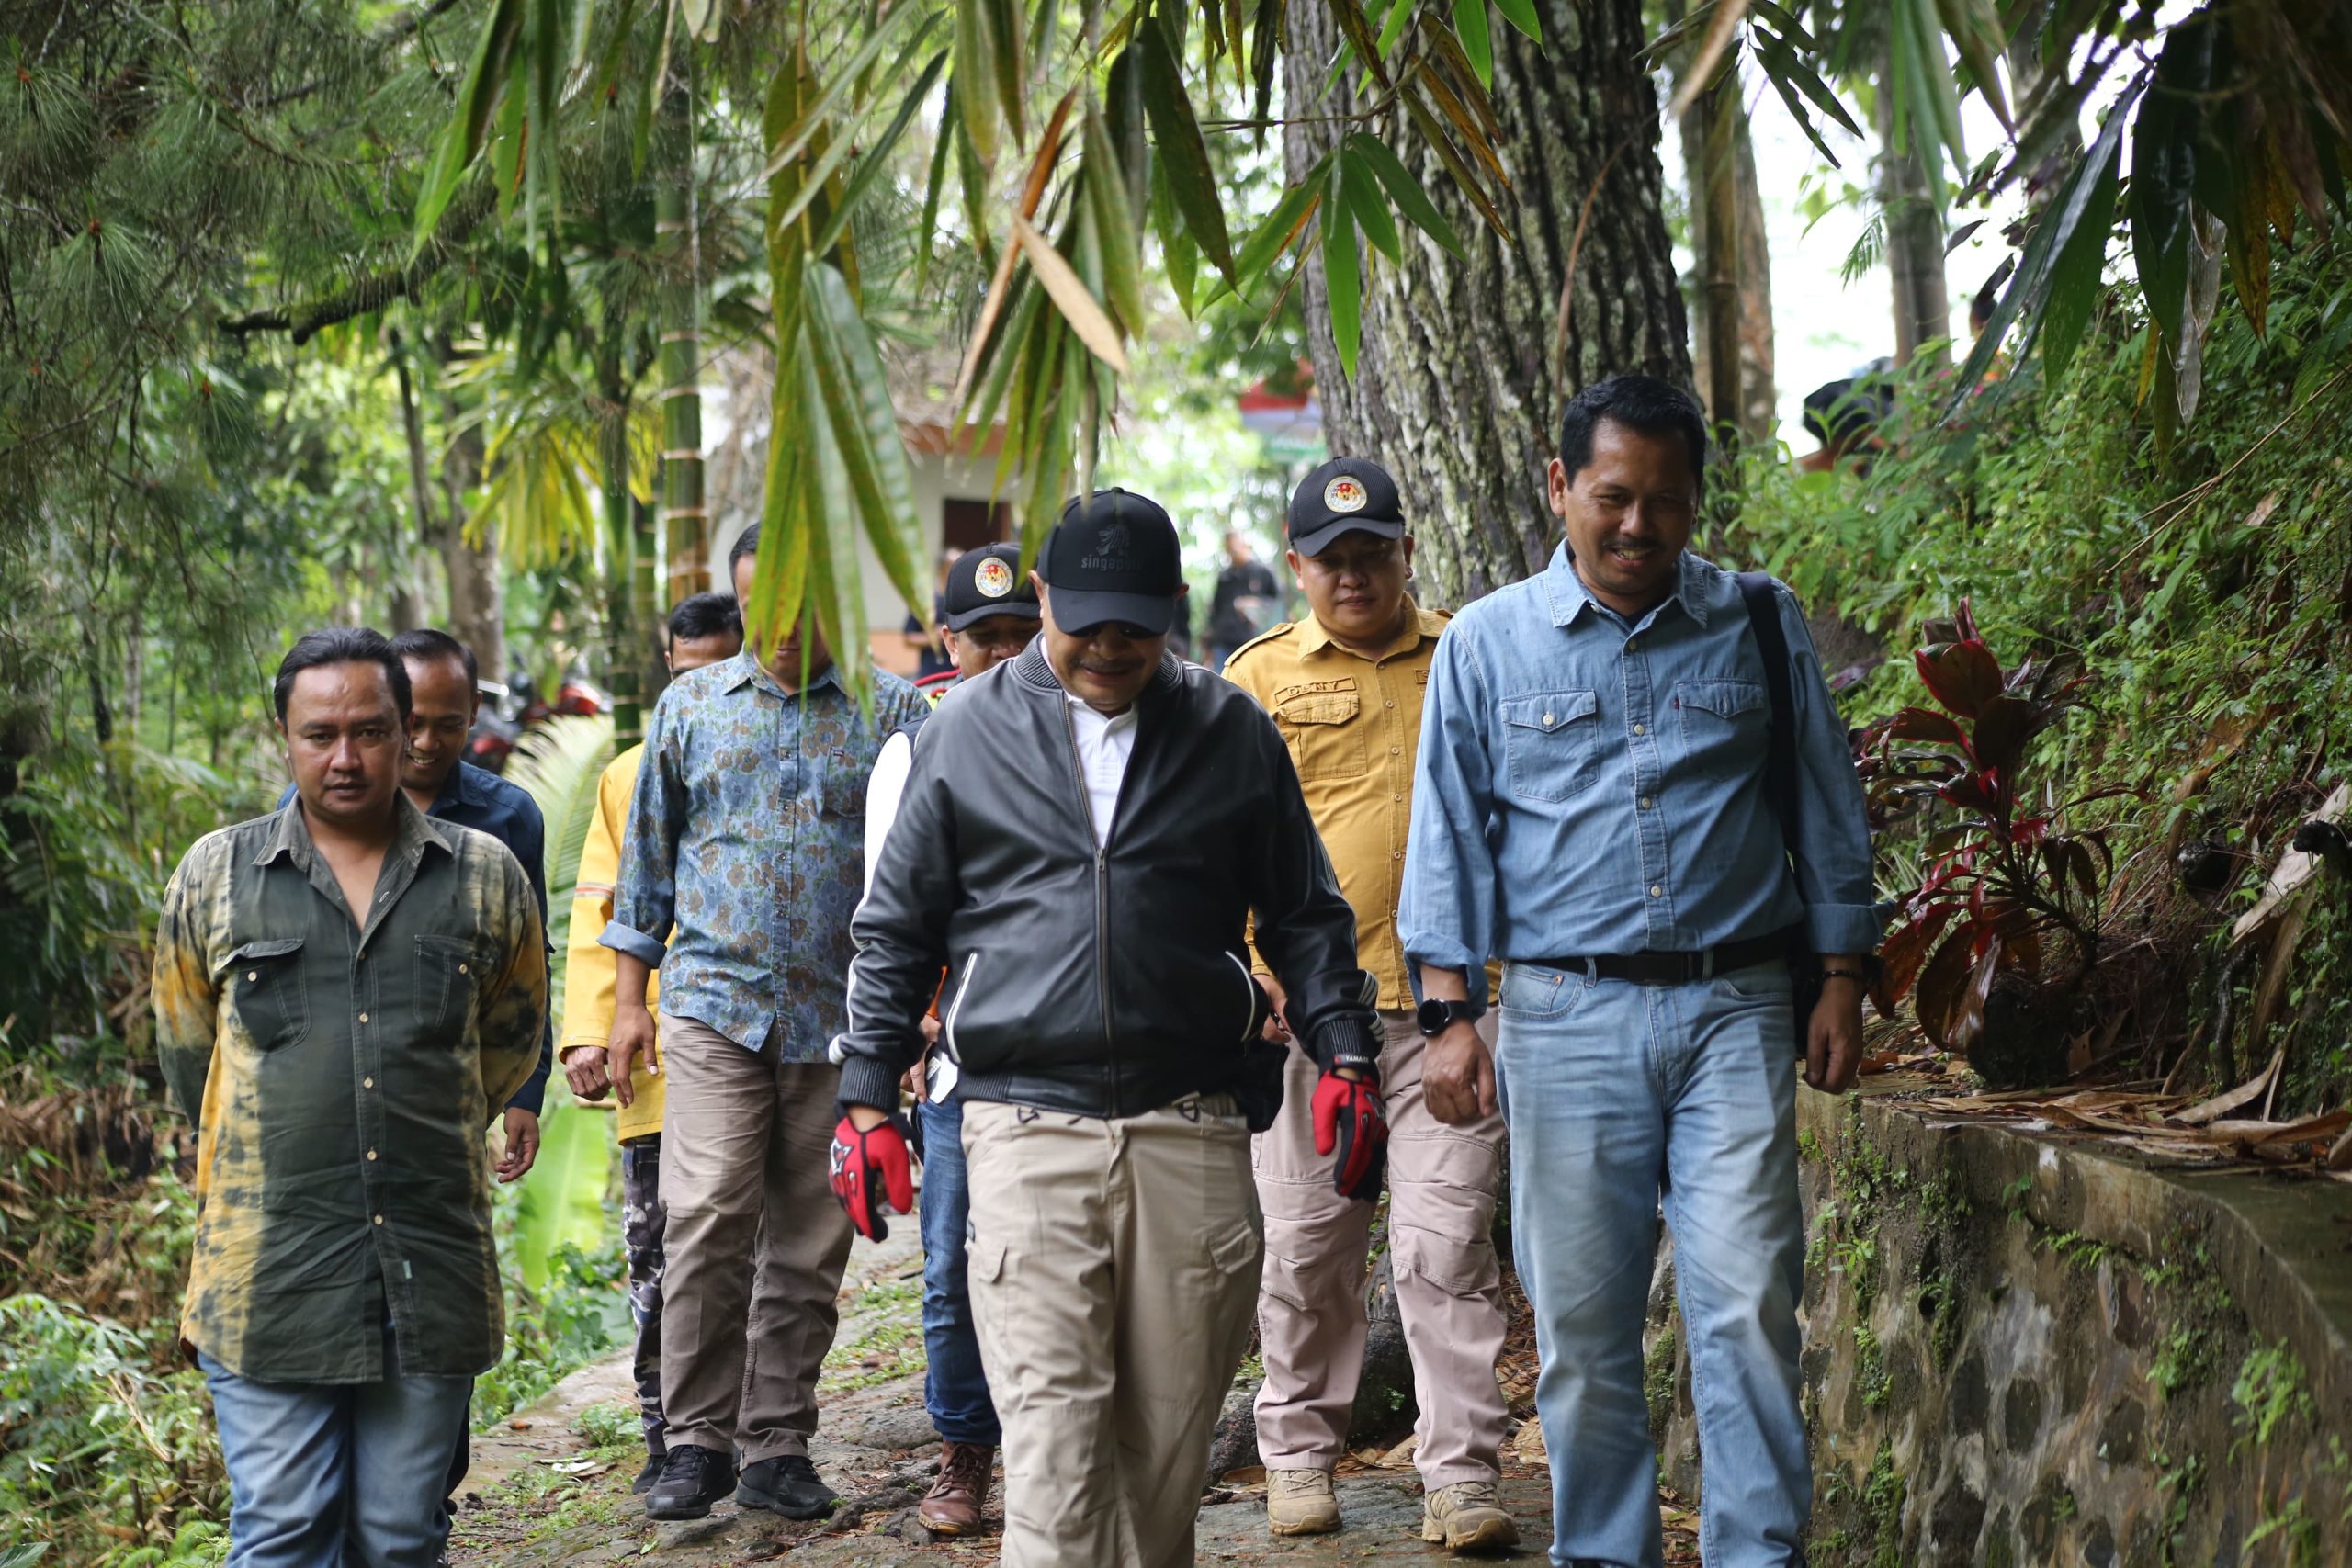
1676, 968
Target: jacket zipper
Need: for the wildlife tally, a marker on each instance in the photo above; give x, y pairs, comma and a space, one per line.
1101, 897
956, 1008
1249, 999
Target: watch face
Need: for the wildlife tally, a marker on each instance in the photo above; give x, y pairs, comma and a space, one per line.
1433, 1016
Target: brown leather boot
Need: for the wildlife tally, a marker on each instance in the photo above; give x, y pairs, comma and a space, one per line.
953, 1504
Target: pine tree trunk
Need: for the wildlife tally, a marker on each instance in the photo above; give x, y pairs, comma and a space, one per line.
1914, 245
1459, 387
685, 519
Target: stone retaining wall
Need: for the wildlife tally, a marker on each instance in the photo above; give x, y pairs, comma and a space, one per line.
2027, 1349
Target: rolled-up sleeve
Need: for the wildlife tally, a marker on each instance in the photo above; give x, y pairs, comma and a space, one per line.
645, 897
1446, 915
1833, 860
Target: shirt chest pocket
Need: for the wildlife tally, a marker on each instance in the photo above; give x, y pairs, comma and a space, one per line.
1550, 743
1722, 719
1318, 725
447, 969
265, 993
842, 788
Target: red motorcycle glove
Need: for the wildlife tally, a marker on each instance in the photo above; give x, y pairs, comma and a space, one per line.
1348, 1118
870, 1174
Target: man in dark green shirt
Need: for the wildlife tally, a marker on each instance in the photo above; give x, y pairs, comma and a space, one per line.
345, 992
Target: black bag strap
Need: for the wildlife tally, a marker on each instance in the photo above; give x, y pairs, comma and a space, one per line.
1756, 593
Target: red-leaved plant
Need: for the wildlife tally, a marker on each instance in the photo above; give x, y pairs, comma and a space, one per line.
2008, 919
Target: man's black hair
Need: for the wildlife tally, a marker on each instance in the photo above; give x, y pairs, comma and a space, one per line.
706, 615
340, 644
429, 644
1640, 404
747, 542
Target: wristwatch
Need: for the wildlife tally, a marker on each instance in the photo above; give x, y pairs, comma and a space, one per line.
1436, 1017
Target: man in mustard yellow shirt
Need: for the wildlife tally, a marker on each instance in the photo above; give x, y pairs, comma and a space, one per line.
1344, 687
704, 629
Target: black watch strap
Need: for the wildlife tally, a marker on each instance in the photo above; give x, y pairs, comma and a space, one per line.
1435, 1017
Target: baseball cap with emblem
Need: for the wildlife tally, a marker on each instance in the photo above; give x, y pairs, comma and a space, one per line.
1113, 556
988, 582
1344, 494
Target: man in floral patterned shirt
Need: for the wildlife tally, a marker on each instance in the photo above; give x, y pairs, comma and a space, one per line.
744, 860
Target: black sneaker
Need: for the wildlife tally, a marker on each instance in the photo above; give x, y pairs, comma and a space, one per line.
789, 1485
655, 1453
692, 1480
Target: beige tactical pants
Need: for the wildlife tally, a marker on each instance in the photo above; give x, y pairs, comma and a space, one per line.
747, 1308
1112, 1268
1441, 1188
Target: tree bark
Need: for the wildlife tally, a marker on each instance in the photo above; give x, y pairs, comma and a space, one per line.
1458, 386
476, 587
1914, 245
621, 665
1760, 415
408, 581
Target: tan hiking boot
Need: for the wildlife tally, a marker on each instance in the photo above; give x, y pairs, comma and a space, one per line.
1299, 1502
953, 1504
1467, 1516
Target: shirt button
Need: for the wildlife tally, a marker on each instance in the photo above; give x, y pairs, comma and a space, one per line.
1397, 796
461, 968
251, 975
1640, 729
1632, 644
1547, 719
379, 1219
1656, 891
367, 1083
371, 1154
1391, 703
1647, 803
363, 1018
1396, 854
1393, 751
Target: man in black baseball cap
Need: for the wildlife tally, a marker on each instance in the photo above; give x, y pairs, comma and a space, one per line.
987, 613
1084, 838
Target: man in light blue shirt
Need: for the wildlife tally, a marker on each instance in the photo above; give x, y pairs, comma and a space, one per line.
1590, 805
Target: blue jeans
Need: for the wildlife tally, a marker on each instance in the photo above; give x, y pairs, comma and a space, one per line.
1617, 1094
954, 1389
326, 1474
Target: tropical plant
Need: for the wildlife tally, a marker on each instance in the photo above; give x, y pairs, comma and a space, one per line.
2013, 897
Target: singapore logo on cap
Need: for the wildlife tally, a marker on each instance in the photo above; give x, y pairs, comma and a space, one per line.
993, 578
1345, 494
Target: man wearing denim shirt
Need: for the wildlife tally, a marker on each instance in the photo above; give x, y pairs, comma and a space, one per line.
1591, 805
745, 855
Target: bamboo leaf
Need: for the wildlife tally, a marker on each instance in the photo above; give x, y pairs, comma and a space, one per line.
1405, 191
1176, 135
1699, 74
1392, 27
1775, 62
865, 426
1356, 28
1367, 206
874, 164
1790, 65
2076, 276
927, 227
2028, 290
1464, 179
1470, 27
1281, 225
975, 48
1114, 224
2164, 155
1976, 32
462, 136
1080, 308
1178, 251
1342, 284
1521, 13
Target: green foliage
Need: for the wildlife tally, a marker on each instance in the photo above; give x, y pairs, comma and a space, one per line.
581, 1312
2271, 1390
2205, 586
107, 1457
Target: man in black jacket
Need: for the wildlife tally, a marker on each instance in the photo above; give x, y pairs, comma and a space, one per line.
1117, 819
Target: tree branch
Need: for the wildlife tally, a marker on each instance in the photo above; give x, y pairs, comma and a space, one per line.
377, 290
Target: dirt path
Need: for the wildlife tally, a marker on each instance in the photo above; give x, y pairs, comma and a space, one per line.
544, 1492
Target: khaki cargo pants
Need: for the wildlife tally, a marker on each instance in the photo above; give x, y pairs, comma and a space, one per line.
1441, 1189
1113, 1265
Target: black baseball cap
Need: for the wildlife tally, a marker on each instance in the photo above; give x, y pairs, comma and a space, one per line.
1344, 493
984, 583
1113, 557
